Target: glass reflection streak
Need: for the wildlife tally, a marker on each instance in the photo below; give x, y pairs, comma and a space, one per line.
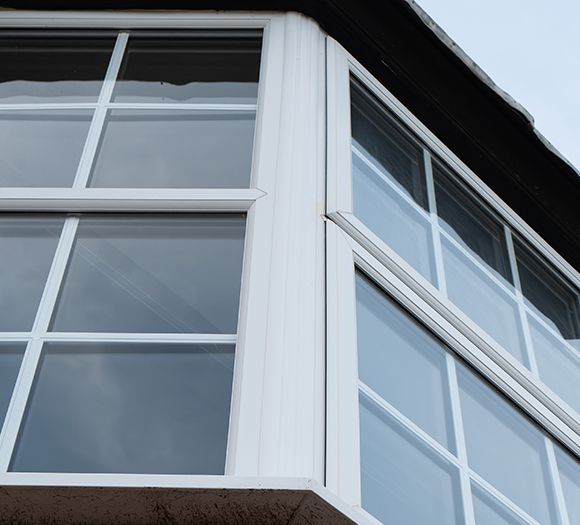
153, 274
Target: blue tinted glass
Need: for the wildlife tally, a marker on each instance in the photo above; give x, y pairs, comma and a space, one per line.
128, 408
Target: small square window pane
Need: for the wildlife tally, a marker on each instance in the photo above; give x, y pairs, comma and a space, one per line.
547, 295
489, 511
558, 363
43, 68
401, 362
148, 274
41, 148
393, 219
505, 448
128, 408
469, 222
483, 300
10, 359
161, 149
569, 468
402, 481
205, 68
27, 247
379, 139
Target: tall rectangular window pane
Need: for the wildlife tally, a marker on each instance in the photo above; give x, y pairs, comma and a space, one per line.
505, 448
569, 468
558, 363
548, 296
128, 408
403, 483
469, 223
401, 362
41, 148
40, 67
27, 247
175, 149
148, 274
379, 140
483, 300
201, 68
10, 359
388, 183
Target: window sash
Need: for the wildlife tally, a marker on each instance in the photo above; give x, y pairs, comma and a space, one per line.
346, 256
341, 68
87, 200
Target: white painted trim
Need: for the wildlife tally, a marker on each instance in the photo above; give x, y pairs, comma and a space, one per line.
343, 447
136, 20
126, 199
278, 424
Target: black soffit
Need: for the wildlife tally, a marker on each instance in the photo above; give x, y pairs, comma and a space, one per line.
410, 55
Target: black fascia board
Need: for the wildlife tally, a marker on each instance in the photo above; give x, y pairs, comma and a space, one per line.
487, 133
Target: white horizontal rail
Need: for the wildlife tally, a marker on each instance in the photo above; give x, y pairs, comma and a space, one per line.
126, 199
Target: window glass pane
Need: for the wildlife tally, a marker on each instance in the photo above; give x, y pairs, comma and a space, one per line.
569, 469
483, 300
401, 362
557, 304
27, 246
44, 68
128, 408
558, 363
10, 359
489, 511
41, 148
393, 219
177, 149
388, 148
153, 274
470, 224
505, 448
202, 68
403, 483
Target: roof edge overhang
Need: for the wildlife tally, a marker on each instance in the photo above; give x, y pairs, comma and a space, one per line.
405, 50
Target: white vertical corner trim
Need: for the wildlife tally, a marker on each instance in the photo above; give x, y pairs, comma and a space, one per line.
339, 165
280, 427
342, 434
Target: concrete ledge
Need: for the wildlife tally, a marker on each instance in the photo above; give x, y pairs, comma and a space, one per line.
85, 505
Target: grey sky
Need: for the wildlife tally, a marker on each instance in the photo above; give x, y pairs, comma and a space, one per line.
531, 49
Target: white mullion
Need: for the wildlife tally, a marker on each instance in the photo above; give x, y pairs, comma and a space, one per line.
408, 425
100, 115
140, 338
400, 192
520, 301
435, 231
15, 336
184, 106
55, 277
490, 490
46, 106
459, 434
556, 483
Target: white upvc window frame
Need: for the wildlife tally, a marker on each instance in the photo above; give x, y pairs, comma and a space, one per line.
276, 429
474, 345
346, 257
